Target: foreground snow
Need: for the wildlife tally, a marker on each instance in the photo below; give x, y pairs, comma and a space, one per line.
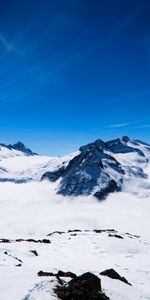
33, 210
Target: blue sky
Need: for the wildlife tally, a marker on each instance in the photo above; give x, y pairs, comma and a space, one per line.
74, 71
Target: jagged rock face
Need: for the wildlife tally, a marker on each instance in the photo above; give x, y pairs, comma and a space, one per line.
84, 287
97, 171
91, 172
85, 173
120, 146
19, 146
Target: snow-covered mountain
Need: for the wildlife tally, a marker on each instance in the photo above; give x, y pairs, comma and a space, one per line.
19, 164
42, 232
104, 167
97, 169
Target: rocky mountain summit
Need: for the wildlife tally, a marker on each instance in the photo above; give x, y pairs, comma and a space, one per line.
97, 169
101, 167
19, 146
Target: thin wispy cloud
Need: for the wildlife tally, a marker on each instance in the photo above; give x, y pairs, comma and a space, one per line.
9, 46
142, 126
6, 44
120, 125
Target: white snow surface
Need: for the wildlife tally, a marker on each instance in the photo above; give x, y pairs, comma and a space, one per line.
32, 210
17, 165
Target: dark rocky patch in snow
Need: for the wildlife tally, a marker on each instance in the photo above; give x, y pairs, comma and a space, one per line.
114, 275
84, 287
6, 253
56, 232
15, 180
44, 241
86, 172
95, 171
34, 252
110, 232
120, 146
116, 236
19, 146
58, 274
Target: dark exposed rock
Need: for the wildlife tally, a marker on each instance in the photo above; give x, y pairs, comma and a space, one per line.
6, 253
14, 180
114, 275
58, 274
53, 176
34, 252
104, 230
94, 167
85, 172
46, 241
42, 273
120, 146
66, 274
74, 230
19, 265
4, 241
111, 187
116, 236
20, 147
32, 241
84, 287
54, 232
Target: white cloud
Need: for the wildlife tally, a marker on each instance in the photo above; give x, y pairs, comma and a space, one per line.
6, 44
119, 125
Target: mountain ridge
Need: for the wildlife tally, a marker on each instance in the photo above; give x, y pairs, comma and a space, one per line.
97, 171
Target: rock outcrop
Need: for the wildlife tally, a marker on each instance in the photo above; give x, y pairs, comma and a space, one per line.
96, 171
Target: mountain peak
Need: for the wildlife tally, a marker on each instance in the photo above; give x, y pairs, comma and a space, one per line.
21, 147
125, 139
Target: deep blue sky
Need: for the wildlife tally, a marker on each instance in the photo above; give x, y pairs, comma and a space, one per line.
72, 71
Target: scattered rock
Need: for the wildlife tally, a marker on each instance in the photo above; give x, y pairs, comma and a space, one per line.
114, 275
31, 241
104, 230
34, 252
19, 240
46, 241
84, 287
42, 273
6, 253
4, 241
116, 236
54, 232
66, 274
58, 274
74, 230
19, 265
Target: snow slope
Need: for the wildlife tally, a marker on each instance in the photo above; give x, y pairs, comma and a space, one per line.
105, 167
16, 165
32, 210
